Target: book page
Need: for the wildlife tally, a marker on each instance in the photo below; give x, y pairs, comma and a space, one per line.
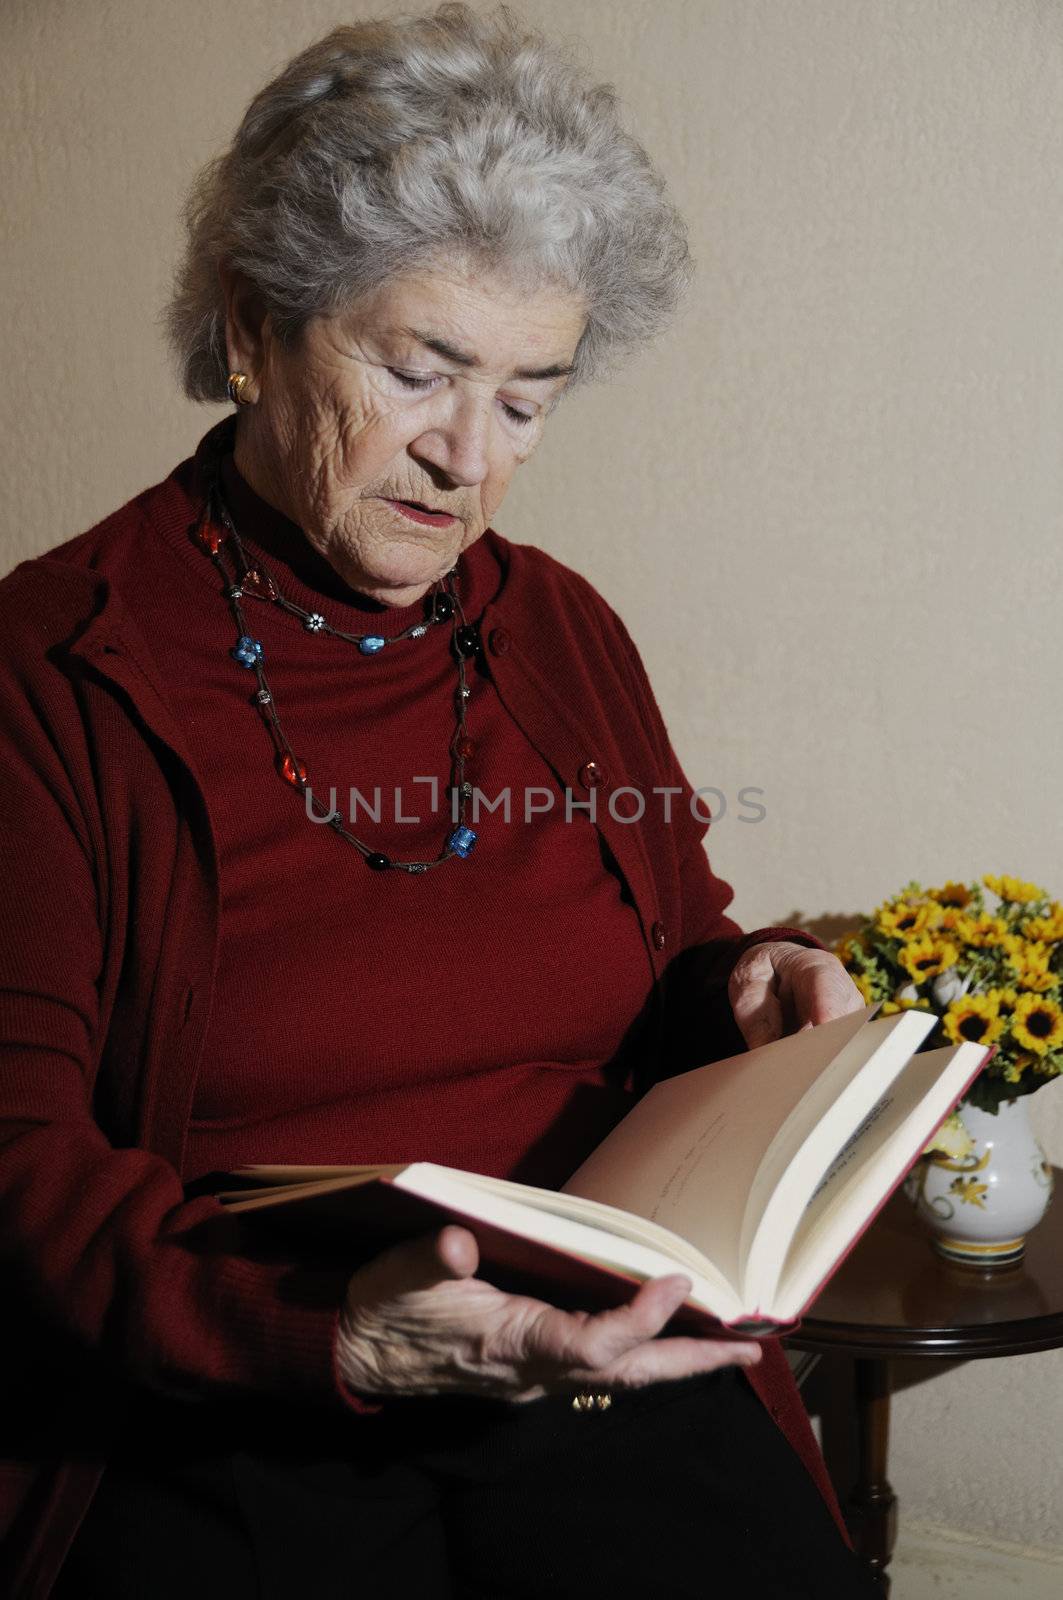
871, 1166
262, 1173
687, 1155
836, 1105
609, 1219
272, 1190
656, 1253
598, 1234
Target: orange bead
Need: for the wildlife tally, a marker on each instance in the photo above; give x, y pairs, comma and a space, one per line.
292, 772
209, 538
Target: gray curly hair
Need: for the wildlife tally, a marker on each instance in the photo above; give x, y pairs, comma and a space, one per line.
395, 143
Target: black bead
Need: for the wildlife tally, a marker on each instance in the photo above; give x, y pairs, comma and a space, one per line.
378, 862
442, 607
467, 640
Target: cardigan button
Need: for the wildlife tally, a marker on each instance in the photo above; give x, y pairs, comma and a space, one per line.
657, 934
499, 641
591, 775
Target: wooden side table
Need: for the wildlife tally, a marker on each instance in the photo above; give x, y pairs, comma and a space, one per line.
895, 1296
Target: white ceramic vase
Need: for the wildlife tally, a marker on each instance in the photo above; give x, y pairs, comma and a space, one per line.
981, 1207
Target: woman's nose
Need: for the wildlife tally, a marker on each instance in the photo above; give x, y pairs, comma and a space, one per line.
458, 446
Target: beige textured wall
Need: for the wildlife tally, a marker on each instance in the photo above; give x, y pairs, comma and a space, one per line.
828, 504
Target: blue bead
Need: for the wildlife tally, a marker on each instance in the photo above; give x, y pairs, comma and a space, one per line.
247, 650
371, 644
461, 841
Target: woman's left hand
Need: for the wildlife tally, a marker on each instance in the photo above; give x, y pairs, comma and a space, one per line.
779, 987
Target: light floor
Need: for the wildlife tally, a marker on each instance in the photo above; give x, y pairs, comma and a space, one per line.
935, 1563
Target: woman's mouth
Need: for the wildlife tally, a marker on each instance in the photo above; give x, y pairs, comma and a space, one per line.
419, 513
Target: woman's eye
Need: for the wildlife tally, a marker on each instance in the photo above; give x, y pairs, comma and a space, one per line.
409, 380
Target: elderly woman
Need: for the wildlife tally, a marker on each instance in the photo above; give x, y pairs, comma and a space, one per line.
221, 945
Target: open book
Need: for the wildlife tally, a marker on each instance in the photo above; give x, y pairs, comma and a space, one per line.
754, 1176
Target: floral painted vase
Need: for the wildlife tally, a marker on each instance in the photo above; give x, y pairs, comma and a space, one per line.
981, 1206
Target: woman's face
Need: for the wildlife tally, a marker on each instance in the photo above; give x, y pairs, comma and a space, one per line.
374, 406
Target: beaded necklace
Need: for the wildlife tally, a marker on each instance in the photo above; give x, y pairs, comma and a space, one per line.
252, 579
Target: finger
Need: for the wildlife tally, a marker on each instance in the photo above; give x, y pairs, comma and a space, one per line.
851, 997
577, 1340
418, 1264
754, 1002
636, 1325
823, 990
662, 1360
456, 1250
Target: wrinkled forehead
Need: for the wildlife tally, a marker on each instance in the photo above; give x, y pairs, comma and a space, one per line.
473, 320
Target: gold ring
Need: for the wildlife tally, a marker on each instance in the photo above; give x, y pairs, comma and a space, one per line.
592, 1402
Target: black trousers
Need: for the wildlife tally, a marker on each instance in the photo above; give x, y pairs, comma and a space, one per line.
679, 1489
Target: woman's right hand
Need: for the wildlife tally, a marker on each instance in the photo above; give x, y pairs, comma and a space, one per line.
417, 1322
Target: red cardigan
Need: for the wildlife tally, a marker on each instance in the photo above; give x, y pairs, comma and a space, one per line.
108, 948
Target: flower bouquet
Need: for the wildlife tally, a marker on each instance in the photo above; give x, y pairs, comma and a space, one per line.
993, 974
992, 971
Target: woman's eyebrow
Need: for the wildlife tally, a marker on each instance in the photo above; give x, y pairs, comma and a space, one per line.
556, 369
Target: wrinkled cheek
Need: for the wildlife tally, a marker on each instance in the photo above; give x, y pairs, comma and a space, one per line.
311, 433
365, 438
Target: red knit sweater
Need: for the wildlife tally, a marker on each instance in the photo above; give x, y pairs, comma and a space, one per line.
473, 1015
140, 1041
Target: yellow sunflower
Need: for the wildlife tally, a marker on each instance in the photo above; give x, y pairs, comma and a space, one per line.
1005, 999
1037, 1023
974, 1017
955, 922
951, 894
1048, 928
863, 983
906, 920
926, 957
1014, 889
1029, 962
984, 930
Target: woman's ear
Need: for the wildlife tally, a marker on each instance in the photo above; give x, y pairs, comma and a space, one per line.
247, 324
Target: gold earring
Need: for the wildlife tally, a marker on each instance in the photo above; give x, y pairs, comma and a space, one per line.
235, 386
